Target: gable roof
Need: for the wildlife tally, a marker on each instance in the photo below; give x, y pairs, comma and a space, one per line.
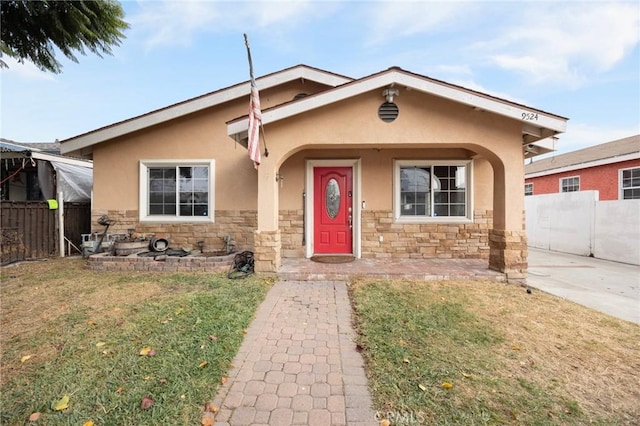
536, 124
87, 140
605, 153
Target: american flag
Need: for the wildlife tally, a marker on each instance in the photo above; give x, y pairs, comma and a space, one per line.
255, 115
255, 121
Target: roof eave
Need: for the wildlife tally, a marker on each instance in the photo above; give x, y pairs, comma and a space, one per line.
537, 125
87, 140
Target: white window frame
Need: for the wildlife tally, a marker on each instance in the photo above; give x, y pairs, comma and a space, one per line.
567, 178
144, 191
528, 184
620, 188
467, 218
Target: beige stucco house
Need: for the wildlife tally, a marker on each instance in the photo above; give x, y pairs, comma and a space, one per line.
394, 164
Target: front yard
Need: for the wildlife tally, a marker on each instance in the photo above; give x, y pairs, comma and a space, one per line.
99, 344
80, 348
471, 353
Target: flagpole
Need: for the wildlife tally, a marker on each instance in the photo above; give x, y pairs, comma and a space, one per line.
261, 127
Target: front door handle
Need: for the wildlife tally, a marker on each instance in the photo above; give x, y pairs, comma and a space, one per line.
350, 219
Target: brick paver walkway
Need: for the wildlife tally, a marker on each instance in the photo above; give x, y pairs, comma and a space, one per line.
298, 363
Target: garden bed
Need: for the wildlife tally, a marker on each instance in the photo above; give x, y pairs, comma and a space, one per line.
202, 262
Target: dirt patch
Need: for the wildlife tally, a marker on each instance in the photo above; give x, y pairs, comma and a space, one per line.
556, 343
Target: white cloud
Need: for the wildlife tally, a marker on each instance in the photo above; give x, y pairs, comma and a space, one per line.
472, 85
26, 70
390, 20
581, 135
567, 43
174, 23
177, 23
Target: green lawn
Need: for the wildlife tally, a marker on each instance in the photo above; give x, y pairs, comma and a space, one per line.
475, 353
72, 332
509, 357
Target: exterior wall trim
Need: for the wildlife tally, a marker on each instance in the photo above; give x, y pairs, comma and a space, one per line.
143, 186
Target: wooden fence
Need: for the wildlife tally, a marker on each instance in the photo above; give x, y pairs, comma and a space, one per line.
28, 229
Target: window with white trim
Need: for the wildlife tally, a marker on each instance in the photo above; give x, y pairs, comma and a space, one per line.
528, 189
570, 184
630, 184
176, 191
432, 190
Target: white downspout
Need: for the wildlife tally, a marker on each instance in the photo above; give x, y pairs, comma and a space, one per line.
61, 222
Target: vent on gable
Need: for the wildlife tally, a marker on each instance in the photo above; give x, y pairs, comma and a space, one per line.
388, 112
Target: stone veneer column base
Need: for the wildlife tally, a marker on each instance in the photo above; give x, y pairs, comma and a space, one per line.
266, 252
508, 254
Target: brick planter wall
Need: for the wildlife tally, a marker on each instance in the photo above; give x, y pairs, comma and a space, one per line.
106, 262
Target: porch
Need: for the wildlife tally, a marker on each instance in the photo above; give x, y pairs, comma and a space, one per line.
301, 269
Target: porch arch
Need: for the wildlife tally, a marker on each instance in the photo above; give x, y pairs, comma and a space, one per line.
507, 239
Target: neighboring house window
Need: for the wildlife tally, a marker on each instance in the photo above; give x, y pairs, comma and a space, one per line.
425, 191
179, 191
528, 189
571, 184
630, 184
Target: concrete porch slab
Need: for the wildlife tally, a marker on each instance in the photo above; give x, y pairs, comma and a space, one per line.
420, 269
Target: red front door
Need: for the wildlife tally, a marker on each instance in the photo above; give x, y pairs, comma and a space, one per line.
333, 210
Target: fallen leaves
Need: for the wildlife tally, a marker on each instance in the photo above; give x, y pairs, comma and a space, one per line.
146, 403
203, 364
147, 351
61, 404
25, 358
447, 385
34, 417
208, 418
422, 387
210, 406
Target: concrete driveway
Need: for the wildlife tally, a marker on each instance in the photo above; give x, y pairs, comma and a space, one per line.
609, 287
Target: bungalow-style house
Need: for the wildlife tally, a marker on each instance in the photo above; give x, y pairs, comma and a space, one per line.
612, 169
394, 165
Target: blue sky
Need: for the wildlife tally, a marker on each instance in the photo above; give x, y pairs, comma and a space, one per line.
580, 60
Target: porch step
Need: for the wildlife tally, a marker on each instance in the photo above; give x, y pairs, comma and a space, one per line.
387, 269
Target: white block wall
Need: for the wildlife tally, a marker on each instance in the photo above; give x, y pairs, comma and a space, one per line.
577, 223
617, 231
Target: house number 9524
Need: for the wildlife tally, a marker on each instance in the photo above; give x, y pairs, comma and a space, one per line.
529, 116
